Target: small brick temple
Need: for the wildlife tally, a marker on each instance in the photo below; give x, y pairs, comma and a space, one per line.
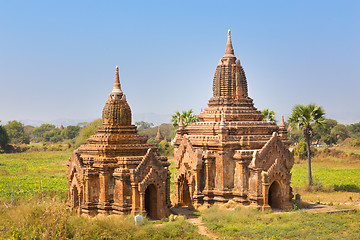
117, 172
231, 153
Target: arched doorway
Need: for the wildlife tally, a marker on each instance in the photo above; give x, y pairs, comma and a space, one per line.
275, 197
151, 201
185, 193
76, 200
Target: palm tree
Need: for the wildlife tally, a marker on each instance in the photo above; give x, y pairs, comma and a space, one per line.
305, 117
268, 115
187, 116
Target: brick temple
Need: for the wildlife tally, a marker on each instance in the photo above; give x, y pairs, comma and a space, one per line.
117, 172
231, 153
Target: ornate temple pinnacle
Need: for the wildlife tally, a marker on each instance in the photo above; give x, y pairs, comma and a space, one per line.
229, 50
229, 79
282, 128
117, 86
117, 110
282, 123
181, 123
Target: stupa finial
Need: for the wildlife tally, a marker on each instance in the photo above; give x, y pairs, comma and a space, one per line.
229, 50
181, 123
117, 86
282, 123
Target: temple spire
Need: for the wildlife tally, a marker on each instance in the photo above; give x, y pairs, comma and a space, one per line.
117, 86
159, 137
229, 50
181, 123
282, 128
282, 123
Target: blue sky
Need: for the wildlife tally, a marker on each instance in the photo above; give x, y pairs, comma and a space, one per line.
58, 58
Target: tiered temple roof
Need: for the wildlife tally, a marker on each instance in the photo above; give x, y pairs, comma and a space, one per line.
241, 119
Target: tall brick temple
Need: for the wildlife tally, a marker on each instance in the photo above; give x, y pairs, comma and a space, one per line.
231, 153
117, 172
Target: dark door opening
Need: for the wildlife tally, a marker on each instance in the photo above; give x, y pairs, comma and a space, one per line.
151, 201
275, 195
76, 201
185, 192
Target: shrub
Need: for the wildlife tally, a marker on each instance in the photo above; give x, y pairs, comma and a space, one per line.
4, 138
301, 150
328, 152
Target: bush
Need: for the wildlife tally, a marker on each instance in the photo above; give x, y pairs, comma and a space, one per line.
317, 186
351, 142
164, 148
328, 152
301, 150
4, 138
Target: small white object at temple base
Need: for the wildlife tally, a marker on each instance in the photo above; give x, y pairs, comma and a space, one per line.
138, 219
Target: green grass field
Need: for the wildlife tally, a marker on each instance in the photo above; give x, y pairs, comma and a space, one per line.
24, 174
337, 180
246, 223
331, 176
37, 184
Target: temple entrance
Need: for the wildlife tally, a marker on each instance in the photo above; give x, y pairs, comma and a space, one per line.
275, 195
75, 200
185, 197
75, 195
151, 201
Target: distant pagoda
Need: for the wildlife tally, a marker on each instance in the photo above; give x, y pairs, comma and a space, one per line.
159, 137
118, 172
231, 153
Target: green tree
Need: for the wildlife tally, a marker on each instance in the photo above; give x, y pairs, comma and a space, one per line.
340, 132
187, 117
305, 117
163, 147
355, 128
86, 132
39, 132
53, 136
143, 125
329, 139
15, 131
4, 138
70, 132
301, 150
323, 132
269, 115
29, 131
295, 135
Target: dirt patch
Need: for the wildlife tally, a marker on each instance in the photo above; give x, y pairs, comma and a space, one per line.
194, 219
